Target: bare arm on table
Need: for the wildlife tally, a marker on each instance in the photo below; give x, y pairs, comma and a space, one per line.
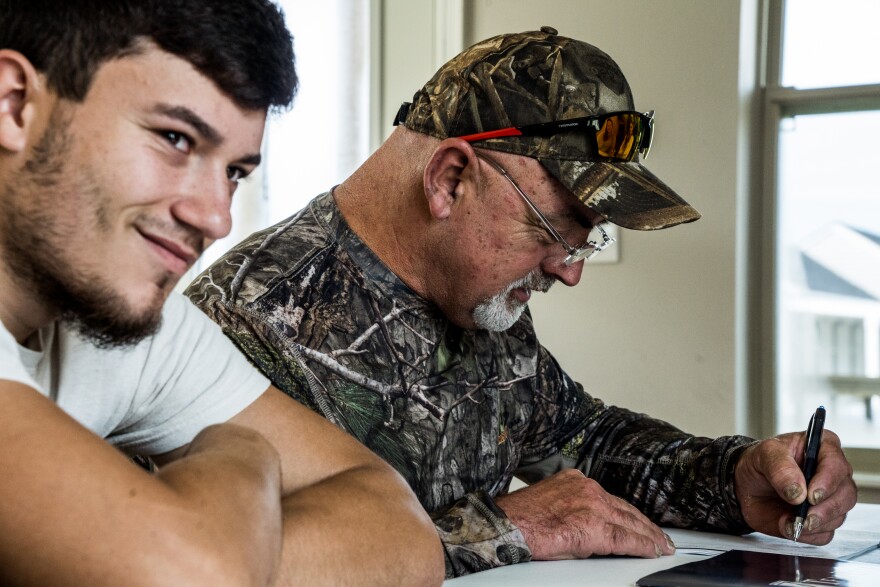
347, 514
75, 511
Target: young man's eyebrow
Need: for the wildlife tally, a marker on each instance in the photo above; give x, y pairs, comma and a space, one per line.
208, 132
251, 159
184, 114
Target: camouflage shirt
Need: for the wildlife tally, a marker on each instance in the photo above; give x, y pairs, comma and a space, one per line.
458, 413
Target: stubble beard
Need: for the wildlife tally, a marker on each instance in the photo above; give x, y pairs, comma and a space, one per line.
501, 311
33, 233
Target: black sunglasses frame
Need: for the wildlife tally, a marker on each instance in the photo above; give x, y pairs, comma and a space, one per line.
591, 123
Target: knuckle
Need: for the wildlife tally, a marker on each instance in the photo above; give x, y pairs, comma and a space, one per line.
618, 537
830, 435
571, 474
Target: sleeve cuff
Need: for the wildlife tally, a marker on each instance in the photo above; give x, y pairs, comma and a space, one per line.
728, 485
477, 536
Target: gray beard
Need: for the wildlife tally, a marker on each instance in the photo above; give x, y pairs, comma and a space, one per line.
501, 311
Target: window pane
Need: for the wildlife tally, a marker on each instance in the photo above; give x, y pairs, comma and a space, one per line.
828, 48
326, 135
828, 278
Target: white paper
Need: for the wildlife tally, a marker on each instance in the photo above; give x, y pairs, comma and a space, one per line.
846, 543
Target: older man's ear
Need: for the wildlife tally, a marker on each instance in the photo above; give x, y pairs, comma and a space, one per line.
452, 164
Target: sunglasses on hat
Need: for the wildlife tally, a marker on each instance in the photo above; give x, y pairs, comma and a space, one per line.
616, 136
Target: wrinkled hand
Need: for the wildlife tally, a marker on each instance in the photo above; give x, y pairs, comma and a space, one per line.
768, 482
570, 516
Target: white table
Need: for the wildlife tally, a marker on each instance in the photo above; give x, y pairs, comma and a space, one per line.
626, 571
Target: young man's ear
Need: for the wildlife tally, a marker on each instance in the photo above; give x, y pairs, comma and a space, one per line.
443, 178
19, 82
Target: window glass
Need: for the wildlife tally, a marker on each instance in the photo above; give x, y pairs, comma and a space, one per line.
827, 44
828, 271
326, 136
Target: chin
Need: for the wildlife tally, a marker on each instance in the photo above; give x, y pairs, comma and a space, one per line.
113, 327
114, 318
497, 316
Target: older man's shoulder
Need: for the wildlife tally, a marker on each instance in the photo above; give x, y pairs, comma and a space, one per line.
249, 270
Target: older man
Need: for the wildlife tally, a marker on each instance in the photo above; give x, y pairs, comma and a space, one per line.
395, 305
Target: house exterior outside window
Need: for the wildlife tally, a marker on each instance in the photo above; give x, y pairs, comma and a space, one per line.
821, 220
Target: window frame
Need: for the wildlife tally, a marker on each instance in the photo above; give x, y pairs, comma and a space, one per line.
779, 102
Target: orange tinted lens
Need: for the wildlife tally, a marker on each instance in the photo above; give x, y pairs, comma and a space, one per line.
620, 136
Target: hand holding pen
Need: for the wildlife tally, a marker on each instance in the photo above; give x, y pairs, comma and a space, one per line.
811, 459
775, 475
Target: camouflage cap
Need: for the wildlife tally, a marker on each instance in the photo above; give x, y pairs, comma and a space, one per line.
539, 76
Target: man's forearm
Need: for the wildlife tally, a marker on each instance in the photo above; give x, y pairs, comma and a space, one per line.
673, 477
231, 476
361, 527
211, 518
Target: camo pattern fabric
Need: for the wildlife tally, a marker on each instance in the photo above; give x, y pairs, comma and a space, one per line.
458, 413
535, 77
519, 79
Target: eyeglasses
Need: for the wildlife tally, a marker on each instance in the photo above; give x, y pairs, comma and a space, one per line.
597, 241
617, 136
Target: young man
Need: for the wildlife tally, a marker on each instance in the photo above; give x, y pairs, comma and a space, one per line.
395, 306
125, 127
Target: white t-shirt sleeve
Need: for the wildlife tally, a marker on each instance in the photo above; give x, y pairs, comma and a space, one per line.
191, 376
11, 367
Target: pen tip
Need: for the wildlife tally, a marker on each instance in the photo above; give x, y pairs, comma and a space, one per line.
798, 528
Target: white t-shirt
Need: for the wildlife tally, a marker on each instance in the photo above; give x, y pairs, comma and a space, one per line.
147, 399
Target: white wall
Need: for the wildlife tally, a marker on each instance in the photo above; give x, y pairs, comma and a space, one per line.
656, 332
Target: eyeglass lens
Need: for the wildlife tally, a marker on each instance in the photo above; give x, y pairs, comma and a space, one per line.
597, 241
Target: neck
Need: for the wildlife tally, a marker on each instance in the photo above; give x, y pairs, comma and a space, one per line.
21, 312
383, 204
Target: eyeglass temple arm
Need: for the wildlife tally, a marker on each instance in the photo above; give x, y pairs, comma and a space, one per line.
648, 135
570, 249
540, 129
402, 113
547, 129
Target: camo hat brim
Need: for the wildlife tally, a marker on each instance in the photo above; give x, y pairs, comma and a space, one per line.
539, 76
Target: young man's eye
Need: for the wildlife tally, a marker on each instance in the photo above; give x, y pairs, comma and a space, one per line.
235, 174
178, 140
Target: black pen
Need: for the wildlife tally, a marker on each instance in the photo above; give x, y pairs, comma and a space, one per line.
811, 458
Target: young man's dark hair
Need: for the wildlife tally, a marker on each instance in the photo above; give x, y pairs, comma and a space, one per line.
65, 41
